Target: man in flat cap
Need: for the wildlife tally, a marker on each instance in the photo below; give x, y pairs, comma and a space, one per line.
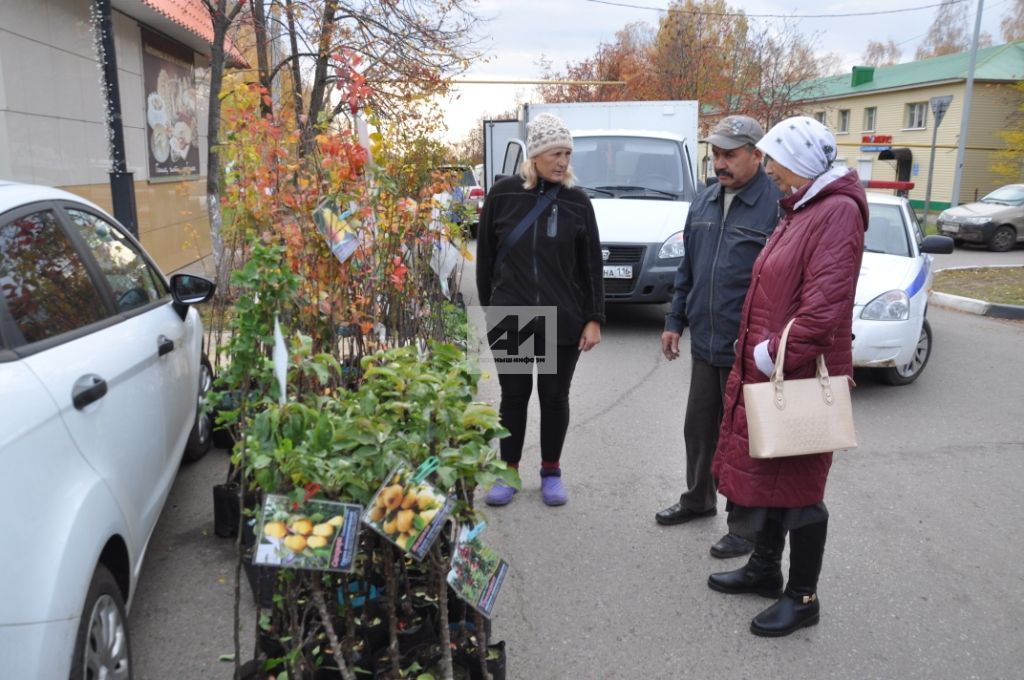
725, 230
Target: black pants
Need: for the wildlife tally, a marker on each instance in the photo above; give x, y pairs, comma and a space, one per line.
704, 406
553, 393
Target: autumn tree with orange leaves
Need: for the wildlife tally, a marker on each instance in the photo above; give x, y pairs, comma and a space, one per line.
703, 50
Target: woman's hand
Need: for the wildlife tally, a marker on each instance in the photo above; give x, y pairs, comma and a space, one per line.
590, 337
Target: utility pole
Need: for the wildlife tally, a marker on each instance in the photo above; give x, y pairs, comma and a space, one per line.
965, 119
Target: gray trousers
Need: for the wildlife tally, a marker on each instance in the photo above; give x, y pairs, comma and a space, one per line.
704, 407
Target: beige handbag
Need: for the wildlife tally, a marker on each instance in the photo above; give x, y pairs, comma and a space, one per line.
797, 417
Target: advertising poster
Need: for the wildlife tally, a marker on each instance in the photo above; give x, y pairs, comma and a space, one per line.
172, 127
318, 534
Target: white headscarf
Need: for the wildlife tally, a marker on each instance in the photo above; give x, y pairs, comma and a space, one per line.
802, 145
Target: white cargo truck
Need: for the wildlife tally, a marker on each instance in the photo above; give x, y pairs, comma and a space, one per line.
636, 161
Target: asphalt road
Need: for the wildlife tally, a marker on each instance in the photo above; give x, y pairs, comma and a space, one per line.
922, 573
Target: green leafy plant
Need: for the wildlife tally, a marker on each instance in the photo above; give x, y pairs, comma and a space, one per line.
333, 438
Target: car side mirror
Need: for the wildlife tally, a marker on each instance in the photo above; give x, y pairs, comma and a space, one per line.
937, 245
189, 289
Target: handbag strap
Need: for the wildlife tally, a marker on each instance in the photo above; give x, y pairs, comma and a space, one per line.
524, 224
780, 360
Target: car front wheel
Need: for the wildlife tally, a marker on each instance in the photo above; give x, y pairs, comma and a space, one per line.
200, 439
1004, 238
102, 649
908, 373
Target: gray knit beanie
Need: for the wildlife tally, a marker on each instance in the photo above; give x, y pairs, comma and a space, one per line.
546, 132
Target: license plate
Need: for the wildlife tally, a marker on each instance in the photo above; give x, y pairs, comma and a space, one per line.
622, 271
950, 228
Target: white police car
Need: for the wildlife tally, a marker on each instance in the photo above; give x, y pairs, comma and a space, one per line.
890, 331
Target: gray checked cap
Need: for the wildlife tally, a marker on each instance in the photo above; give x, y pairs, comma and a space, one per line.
732, 132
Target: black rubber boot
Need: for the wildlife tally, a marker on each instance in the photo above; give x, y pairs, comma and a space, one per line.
762, 574
798, 607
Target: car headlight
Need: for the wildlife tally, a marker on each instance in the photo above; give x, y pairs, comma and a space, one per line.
672, 247
893, 305
978, 221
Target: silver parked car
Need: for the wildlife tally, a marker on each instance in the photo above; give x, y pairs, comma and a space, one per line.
997, 220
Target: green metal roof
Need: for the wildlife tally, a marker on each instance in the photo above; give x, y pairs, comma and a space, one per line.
998, 63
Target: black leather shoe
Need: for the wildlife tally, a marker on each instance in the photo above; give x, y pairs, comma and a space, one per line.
732, 545
791, 613
762, 579
677, 514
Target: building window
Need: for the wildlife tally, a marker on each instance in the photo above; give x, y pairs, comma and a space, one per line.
917, 115
844, 120
869, 119
820, 117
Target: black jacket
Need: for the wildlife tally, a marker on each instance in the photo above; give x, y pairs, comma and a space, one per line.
556, 264
714, 274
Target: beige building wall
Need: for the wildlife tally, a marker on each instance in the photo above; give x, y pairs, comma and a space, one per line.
991, 108
52, 129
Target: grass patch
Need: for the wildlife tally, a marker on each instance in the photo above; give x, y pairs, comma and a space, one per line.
1001, 285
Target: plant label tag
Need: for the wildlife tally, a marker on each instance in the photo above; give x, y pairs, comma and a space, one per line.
407, 512
477, 572
320, 535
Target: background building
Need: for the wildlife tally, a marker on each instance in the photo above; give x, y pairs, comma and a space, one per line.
882, 118
52, 124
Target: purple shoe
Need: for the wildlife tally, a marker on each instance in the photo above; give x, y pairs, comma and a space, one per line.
552, 492
500, 494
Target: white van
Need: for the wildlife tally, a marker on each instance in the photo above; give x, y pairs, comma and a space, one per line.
636, 162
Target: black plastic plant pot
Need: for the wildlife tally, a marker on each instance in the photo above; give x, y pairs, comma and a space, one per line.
252, 670
261, 581
373, 633
418, 632
222, 437
426, 655
226, 510
467, 658
269, 646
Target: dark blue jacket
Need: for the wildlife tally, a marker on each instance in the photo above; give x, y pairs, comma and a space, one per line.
555, 263
714, 274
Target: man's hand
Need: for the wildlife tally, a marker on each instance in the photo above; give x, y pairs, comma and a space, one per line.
670, 344
590, 336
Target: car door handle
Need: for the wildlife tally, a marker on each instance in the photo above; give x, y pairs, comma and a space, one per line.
87, 389
164, 345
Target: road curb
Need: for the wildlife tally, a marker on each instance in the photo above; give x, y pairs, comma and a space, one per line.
980, 307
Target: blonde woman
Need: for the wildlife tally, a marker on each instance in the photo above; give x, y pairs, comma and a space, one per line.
552, 260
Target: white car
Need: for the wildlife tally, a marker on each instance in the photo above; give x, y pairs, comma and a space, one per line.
101, 370
890, 331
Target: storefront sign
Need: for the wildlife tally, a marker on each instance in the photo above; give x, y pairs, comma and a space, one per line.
172, 128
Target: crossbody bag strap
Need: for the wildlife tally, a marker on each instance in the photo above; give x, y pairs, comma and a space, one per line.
525, 223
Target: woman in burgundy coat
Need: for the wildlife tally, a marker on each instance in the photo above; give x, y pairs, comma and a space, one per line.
808, 272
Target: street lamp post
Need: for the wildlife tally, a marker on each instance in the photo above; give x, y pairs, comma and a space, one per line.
122, 184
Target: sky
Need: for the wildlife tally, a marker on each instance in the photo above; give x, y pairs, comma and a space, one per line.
514, 34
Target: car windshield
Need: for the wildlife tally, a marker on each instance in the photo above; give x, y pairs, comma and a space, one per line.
628, 165
1008, 195
886, 232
